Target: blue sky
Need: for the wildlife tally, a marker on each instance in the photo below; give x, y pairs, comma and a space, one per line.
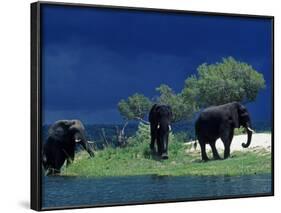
92, 58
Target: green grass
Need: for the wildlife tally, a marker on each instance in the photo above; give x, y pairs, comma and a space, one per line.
137, 160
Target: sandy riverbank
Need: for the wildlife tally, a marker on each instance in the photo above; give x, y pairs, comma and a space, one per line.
259, 141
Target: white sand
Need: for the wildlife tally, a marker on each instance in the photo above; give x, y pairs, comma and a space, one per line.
259, 141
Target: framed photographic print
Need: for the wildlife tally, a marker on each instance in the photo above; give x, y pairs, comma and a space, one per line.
139, 105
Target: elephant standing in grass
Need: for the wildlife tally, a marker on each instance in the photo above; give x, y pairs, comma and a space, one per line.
219, 122
160, 117
60, 145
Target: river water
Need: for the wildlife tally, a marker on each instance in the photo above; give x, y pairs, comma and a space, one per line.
63, 191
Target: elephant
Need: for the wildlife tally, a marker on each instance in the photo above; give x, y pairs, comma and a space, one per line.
60, 144
160, 125
219, 122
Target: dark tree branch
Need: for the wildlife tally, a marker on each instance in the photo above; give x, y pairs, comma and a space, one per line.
120, 134
104, 137
124, 126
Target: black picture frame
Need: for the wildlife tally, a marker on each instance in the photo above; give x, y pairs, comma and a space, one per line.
36, 101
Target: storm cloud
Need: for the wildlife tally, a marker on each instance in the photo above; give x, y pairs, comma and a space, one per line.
92, 58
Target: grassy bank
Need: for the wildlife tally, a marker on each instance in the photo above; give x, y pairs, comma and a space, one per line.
137, 160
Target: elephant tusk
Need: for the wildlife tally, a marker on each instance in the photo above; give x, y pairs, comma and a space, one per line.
77, 140
250, 130
90, 141
170, 128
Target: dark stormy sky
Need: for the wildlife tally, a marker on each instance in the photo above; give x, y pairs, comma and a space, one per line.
92, 58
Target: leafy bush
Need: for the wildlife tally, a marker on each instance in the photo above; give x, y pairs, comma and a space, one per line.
142, 135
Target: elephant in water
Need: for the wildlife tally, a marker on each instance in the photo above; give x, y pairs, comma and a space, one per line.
60, 145
219, 122
160, 117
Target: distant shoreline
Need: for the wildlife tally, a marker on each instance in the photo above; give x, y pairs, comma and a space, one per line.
94, 130
254, 123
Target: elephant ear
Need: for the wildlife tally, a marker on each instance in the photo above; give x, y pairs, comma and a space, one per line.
60, 127
234, 115
57, 131
151, 116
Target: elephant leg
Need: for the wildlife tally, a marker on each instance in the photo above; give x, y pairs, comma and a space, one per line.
68, 155
70, 159
227, 145
203, 150
231, 135
214, 150
226, 150
159, 145
152, 143
68, 162
59, 161
50, 171
226, 139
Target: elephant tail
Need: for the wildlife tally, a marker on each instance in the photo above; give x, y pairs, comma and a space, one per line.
195, 144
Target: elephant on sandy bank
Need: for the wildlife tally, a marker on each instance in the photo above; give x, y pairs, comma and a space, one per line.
219, 122
63, 136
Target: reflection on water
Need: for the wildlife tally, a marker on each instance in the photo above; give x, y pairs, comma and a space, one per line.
76, 191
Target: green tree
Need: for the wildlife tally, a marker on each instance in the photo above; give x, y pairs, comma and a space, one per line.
135, 107
182, 107
224, 82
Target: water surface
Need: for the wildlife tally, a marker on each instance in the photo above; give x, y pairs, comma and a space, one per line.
76, 191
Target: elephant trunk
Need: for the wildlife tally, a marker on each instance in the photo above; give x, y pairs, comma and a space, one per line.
80, 139
86, 146
249, 133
